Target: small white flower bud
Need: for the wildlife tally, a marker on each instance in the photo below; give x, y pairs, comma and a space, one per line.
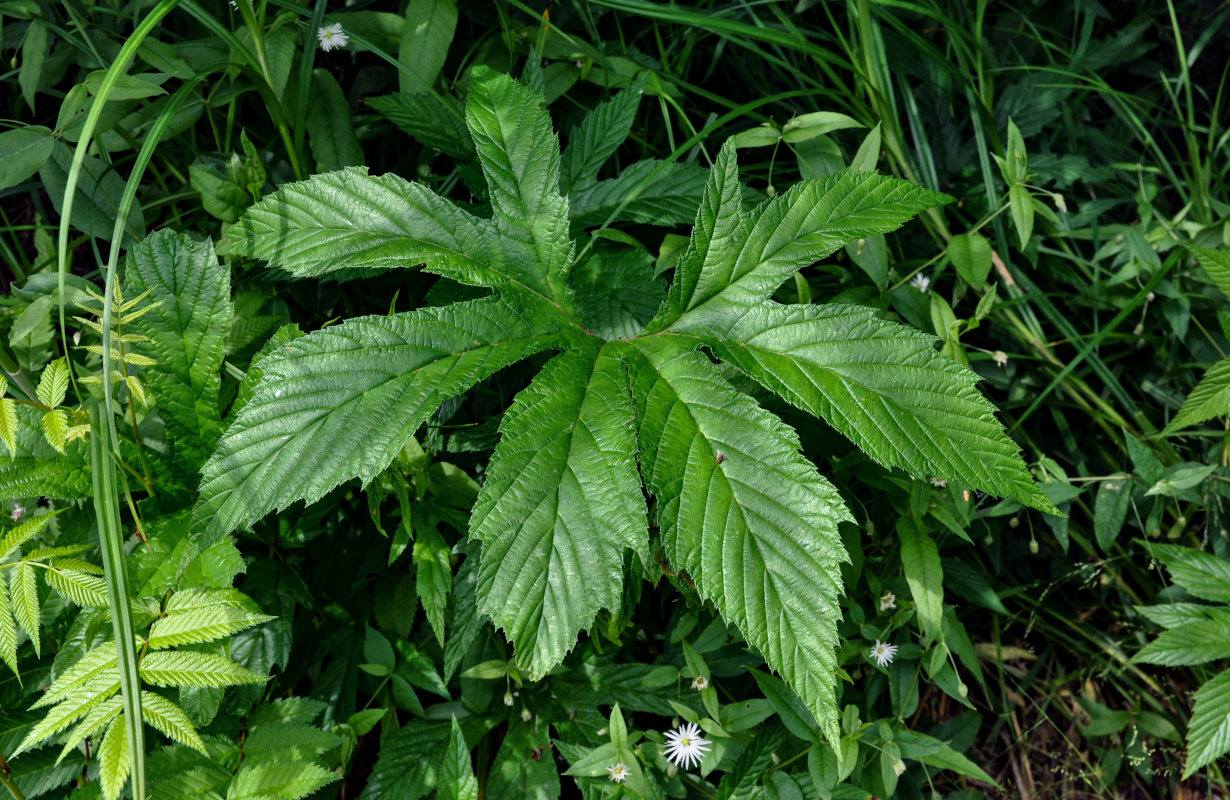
508, 698
1033, 546
526, 714
962, 689
899, 767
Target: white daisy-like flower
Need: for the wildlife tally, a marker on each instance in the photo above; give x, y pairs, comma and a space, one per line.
332, 36
921, 282
700, 683
617, 772
939, 483
888, 601
882, 653
686, 746
1000, 358
18, 513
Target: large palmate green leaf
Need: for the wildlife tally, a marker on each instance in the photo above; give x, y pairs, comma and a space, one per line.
187, 327
630, 400
882, 385
339, 403
561, 504
747, 516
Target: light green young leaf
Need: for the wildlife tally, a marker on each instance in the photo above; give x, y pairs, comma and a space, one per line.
53, 385
93, 723
383, 375
8, 630
519, 153
187, 329
9, 425
189, 668
457, 781
55, 429
202, 625
172, 720
1208, 733
286, 780
1209, 400
598, 136
23, 593
748, 517
82, 588
23, 533
302, 742
561, 504
882, 385
89, 667
425, 39
114, 759
90, 696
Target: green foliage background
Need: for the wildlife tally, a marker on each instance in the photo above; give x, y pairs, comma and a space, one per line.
474, 604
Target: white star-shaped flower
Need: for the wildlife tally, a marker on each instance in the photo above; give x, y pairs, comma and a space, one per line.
685, 746
617, 772
882, 653
939, 483
332, 36
1000, 358
700, 683
921, 282
887, 601
18, 513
